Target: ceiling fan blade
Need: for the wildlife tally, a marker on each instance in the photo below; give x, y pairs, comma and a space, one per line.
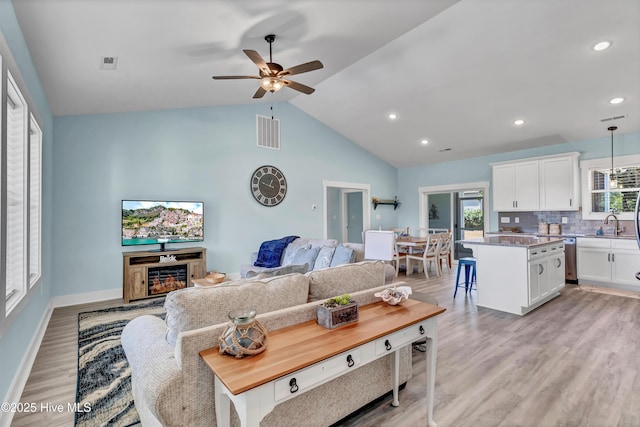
299, 87
259, 93
257, 59
302, 68
234, 77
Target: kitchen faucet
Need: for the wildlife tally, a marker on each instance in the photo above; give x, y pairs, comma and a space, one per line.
616, 230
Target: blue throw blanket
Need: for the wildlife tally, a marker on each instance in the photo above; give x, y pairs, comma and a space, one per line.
271, 252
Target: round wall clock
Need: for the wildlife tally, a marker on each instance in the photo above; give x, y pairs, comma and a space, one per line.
268, 185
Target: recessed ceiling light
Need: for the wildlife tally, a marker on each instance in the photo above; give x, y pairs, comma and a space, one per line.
424, 141
518, 122
392, 116
616, 100
601, 45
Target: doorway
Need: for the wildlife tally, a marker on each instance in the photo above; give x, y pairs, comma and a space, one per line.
464, 214
469, 219
347, 212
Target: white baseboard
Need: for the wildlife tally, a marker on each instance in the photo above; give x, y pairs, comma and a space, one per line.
22, 375
87, 297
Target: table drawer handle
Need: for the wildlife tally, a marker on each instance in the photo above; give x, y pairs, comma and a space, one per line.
350, 361
421, 330
387, 344
293, 385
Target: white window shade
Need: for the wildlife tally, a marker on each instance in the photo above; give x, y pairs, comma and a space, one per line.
16, 184
35, 200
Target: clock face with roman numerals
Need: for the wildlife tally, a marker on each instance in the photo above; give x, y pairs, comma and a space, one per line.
268, 185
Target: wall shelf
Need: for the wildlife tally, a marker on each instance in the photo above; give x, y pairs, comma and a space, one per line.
376, 202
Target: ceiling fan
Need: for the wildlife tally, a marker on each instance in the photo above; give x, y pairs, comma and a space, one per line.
272, 75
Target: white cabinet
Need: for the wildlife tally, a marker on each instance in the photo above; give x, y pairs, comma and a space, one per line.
515, 187
608, 262
541, 183
546, 271
559, 179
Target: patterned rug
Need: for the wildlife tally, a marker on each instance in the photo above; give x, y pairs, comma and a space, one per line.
104, 376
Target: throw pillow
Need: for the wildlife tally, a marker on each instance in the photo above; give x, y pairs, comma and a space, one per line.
291, 249
305, 256
324, 258
342, 255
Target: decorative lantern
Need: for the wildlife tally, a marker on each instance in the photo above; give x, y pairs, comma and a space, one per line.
245, 336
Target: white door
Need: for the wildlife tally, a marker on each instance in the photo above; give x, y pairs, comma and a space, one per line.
625, 264
537, 280
594, 264
556, 184
504, 188
527, 186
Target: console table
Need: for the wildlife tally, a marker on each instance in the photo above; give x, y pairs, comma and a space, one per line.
303, 356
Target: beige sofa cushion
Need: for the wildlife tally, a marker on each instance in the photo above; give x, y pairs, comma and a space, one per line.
194, 308
345, 278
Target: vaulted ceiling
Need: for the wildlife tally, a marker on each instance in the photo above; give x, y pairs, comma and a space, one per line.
456, 73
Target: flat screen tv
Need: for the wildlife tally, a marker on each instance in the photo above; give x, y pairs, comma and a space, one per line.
149, 222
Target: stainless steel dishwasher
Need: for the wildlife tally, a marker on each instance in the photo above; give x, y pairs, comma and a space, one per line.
570, 264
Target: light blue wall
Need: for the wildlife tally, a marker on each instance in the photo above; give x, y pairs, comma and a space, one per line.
15, 340
355, 221
192, 154
479, 169
334, 214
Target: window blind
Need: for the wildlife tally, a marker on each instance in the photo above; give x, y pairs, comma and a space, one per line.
35, 200
16, 179
614, 190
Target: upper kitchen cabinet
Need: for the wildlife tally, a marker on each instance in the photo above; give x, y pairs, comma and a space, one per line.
540, 183
516, 187
560, 183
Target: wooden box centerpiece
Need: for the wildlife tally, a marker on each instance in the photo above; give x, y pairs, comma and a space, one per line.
337, 311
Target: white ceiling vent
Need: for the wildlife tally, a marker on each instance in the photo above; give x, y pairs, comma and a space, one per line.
268, 132
108, 62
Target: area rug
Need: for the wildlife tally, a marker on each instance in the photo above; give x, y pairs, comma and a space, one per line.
104, 376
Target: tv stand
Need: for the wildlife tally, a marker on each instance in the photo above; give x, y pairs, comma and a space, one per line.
153, 273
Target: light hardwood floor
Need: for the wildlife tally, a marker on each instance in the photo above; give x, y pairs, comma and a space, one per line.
572, 362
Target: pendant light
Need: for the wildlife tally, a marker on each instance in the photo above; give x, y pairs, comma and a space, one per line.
613, 182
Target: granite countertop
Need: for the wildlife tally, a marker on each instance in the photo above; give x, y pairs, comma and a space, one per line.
563, 235
523, 240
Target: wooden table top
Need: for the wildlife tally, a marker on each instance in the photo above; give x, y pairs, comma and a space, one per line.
301, 345
415, 241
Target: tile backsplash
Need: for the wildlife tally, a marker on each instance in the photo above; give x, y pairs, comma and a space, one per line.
528, 222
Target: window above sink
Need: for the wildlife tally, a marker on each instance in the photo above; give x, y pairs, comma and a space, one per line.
605, 190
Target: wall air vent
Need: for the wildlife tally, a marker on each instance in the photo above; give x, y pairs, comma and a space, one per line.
268, 132
608, 119
108, 62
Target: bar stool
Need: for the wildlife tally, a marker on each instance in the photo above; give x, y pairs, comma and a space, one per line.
469, 264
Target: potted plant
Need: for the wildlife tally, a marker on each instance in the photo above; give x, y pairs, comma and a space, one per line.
337, 311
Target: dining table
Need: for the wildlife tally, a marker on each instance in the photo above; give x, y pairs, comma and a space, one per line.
412, 245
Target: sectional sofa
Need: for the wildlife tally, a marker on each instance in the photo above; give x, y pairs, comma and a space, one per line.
173, 387
316, 254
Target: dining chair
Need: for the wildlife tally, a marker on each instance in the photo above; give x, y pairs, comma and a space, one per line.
444, 255
399, 256
429, 255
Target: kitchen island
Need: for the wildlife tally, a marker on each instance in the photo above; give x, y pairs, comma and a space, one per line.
517, 274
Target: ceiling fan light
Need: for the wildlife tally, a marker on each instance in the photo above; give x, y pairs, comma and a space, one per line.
271, 84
